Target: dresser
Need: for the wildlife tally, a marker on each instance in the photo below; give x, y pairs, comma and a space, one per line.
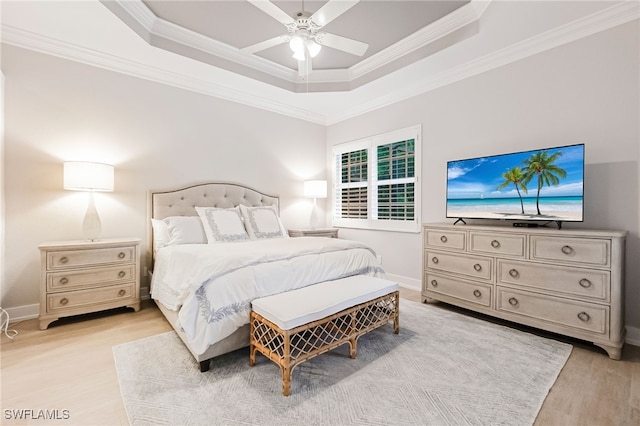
565, 281
78, 277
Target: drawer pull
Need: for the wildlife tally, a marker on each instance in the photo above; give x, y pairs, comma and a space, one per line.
64, 280
513, 301
64, 301
121, 255
584, 316
122, 292
121, 274
584, 283
434, 260
477, 267
567, 250
64, 259
495, 244
434, 283
443, 238
514, 273
477, 293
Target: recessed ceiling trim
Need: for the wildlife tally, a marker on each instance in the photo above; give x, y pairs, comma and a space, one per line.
156, 31
465, 15
602, 20
611, 17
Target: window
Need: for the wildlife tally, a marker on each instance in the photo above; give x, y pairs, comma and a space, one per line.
376, 182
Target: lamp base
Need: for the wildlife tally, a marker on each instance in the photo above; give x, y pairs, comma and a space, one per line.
313, 220
91, 226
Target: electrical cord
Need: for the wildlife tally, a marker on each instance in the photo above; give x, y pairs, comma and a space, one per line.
4, 325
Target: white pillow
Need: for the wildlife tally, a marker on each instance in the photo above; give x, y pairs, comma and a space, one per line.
262, 222
160, 234
185, 230
222, 225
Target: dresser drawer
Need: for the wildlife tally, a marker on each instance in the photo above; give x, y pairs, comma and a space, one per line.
452, 240
471, 292
585, 251
93, 277
77, 299
560, 312
588, 283
73, 258
477, 267
509, 245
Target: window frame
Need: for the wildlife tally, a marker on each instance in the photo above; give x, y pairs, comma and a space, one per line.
371, 144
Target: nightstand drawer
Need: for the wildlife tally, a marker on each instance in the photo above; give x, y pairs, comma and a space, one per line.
77, 299
71, 258
86, 278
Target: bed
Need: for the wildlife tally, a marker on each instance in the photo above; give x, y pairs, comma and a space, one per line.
208, 266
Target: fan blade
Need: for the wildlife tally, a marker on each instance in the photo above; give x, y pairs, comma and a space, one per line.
266, 44
331, 10
348, 45
272, 10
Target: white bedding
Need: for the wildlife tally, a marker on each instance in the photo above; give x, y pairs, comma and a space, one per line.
213, 285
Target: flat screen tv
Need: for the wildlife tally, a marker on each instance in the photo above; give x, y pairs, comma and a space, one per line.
529, 186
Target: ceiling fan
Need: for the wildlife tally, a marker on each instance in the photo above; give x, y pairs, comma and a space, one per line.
304, 32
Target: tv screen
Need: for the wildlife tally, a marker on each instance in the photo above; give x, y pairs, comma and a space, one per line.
538, 185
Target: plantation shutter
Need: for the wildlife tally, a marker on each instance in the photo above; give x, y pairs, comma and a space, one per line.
352, 187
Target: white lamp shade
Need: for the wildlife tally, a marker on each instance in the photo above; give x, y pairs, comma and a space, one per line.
315, 188
86, 176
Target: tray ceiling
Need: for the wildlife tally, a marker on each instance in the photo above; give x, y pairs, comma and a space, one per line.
215, 32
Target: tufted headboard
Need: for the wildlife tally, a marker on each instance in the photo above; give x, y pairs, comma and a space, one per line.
183, 201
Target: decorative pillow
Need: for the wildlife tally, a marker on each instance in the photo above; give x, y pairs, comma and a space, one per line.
222, 225
160, 234
185, 230
262, 222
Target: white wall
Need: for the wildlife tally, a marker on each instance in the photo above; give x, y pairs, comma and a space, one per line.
156, 136
583, 92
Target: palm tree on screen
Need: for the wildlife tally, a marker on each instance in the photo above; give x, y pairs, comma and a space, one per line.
541, 166
516, 177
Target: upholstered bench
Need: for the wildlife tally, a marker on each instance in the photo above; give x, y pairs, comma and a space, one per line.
292, 327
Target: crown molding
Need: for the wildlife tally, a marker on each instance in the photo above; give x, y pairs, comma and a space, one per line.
605, 19
50, 46
600, 21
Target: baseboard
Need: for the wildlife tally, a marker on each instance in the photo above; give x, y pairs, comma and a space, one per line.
26, 312
21, 313
633, 336
406, 282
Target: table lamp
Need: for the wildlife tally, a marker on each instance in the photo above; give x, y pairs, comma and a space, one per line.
315, 189
90, 177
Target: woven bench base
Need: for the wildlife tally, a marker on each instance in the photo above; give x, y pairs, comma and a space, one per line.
288, 348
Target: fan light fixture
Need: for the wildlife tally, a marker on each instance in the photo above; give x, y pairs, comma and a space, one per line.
304, 32
299, 43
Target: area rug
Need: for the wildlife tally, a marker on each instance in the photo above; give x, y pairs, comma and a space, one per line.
444, 368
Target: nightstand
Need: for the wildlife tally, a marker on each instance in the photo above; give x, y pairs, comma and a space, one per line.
318, 232
78, 277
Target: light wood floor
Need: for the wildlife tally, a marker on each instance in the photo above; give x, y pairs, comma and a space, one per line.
70, 367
